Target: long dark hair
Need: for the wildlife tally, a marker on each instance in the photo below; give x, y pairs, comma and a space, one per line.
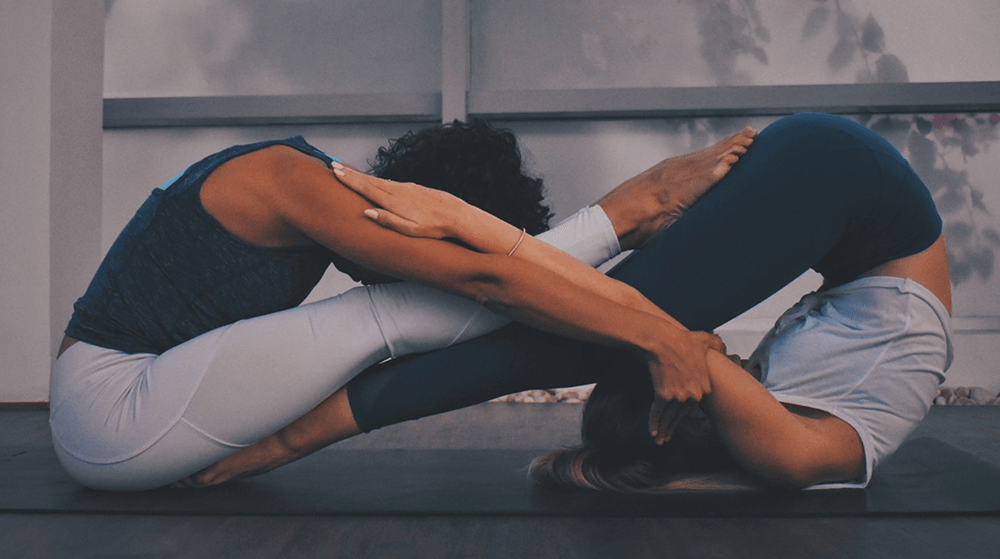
618, 454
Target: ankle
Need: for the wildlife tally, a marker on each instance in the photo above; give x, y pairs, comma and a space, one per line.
625, 220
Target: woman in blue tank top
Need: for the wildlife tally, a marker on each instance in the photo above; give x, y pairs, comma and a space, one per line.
843, 377
190, 342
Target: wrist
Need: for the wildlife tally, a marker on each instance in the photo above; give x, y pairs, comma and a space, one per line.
657, 342
469, 226
487, 233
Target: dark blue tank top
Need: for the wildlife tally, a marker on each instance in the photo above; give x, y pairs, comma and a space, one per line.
175, 272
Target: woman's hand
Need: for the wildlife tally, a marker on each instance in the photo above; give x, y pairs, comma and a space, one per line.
407, 208
680, 379
417, 211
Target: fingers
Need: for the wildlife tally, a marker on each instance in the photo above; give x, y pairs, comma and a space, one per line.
392, 221
656, 412
710, 341
667, 421
664, 417
372, 188
353, 180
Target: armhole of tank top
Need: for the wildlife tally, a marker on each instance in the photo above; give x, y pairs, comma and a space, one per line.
300, 143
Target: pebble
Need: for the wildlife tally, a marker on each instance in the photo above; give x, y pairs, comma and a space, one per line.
966, 396
958, 396
577, 395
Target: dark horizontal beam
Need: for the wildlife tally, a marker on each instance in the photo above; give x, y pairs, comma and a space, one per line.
736, 100
271, 109
555, 104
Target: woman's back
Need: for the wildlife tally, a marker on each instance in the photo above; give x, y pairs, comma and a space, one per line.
176, 271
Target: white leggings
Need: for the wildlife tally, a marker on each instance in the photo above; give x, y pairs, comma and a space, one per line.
140, 421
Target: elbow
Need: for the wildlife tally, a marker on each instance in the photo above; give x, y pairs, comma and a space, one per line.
491, 294
802, 468
489, 286
500, 284
795, 473
791, 478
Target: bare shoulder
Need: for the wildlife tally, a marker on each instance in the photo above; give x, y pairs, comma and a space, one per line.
285, 161
243, 194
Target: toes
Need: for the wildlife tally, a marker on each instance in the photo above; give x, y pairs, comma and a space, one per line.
746, 136
742, 139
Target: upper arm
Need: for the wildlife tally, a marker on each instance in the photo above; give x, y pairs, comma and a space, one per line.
309, 198
790, 448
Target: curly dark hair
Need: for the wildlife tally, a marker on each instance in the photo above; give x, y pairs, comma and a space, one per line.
474, 161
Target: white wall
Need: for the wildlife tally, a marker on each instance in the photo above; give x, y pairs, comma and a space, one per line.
48, 182
75, 180
24, 214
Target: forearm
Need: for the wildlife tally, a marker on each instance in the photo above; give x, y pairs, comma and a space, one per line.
416, 318
409, 246
550, 290
535, 295
490, 234
419, 213
523, 291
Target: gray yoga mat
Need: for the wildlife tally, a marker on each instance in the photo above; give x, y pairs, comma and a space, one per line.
926, 476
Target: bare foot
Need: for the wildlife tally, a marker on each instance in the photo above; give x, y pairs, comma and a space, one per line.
652, 200
327, 423
258, 458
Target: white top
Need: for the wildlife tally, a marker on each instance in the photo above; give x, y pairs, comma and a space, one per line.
871, 352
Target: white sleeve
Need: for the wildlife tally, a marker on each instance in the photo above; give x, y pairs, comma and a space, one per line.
415, 318
588, 235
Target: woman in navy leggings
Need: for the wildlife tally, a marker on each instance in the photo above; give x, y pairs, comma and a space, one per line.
836, 386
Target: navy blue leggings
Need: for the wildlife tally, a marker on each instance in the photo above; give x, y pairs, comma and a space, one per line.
814, 191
